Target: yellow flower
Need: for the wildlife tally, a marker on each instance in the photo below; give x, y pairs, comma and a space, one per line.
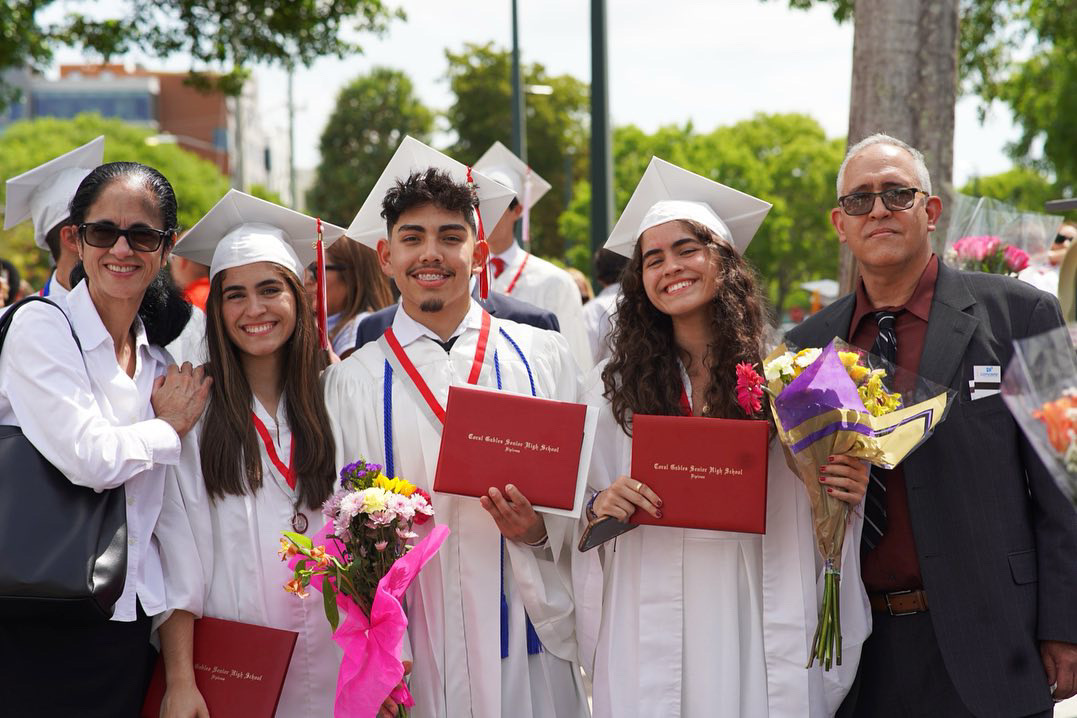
395, 485
287, 549
857, 372
848, 359
374, 499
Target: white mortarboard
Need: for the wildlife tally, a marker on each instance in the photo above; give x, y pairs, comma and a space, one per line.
500, 164
44, 193
241, 229
368, 227
667, 192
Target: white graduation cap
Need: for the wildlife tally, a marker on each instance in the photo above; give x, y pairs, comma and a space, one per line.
368, 227
241, 229
667, 192
44, 193
500, 164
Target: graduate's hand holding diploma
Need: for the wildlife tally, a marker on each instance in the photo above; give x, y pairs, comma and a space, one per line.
514, 516
622, 498
180, 395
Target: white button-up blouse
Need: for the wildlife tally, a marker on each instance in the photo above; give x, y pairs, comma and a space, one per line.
93, 422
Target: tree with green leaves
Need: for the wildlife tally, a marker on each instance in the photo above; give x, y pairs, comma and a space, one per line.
1022, 187
224, 36
481, 113
372, 115
784, 159
29, 143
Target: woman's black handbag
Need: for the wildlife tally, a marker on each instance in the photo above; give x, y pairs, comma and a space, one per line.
64, 547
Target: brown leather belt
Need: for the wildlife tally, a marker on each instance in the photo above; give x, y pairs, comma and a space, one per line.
898, 603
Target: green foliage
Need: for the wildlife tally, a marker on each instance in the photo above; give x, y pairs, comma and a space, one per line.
262, 192
784, 159
480, 78
1022, 187
1024, 54
225, 35
372, 115
29, 143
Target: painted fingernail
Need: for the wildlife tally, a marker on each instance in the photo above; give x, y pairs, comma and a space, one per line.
822, 479
659, 504
829, 490
830, 459
510, 487
658, 514
822, 468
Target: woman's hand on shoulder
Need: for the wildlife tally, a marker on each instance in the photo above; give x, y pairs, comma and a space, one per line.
180, 395
845, 478
622, 498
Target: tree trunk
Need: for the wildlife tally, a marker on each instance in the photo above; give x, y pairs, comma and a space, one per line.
905, 84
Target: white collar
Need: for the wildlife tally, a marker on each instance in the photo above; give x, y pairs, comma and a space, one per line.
88, 325
511, 255
407, 329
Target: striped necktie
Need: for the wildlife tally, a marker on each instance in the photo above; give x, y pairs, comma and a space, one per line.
885, 347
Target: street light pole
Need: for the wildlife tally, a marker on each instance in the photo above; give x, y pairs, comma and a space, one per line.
601, 160
519, 119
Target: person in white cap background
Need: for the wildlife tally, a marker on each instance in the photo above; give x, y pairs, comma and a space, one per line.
260, 460
517, 272
107, 416
694, 622
486, 577
43, 196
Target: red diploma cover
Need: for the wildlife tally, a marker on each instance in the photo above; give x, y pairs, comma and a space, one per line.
494, 438
709, 473
239, 669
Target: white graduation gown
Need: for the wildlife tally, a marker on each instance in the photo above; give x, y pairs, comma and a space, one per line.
190, 345
548, 287
454, 606
236, 574
679, 622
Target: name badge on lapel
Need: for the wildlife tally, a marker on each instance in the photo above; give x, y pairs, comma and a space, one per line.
986, 381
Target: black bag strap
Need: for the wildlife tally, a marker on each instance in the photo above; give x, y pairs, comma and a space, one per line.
5, 320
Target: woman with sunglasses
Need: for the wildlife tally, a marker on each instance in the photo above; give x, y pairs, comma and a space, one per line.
261, 460
697, 622
354, 287
107, 416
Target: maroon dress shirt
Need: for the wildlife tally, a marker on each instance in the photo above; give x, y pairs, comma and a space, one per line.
893, 564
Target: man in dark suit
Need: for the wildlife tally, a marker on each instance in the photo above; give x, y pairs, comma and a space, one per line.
498, 305
970, 548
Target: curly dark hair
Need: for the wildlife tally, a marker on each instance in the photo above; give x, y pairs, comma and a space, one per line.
433, 186
642, 376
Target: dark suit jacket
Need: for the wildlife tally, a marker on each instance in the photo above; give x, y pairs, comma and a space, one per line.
996, 538
499, 305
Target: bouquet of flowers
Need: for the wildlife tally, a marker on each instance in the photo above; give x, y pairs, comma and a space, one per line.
987, 253
1040, 389
362, 561
840, 400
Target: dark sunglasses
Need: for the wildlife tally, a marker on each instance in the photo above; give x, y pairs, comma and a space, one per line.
895, 200
1061, 239
140, 239
313, 267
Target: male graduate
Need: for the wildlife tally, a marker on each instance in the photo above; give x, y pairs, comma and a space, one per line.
490, 623
42, 195
519, 273
969, 547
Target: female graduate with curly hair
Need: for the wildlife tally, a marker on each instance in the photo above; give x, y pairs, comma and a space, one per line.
697, 622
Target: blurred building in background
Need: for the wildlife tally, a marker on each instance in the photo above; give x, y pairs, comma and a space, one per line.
226, 131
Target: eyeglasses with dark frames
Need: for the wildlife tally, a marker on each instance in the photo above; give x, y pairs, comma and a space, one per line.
894, 199
141, 239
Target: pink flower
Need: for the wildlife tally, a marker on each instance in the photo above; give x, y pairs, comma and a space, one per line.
381, 545
1016, 258
749, 389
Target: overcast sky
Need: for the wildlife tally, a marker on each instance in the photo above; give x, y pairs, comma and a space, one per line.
713, 62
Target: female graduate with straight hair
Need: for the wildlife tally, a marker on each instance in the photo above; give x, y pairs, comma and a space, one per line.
696, 622
261, 460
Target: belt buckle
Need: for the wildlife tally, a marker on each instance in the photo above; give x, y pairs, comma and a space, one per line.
890, 608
